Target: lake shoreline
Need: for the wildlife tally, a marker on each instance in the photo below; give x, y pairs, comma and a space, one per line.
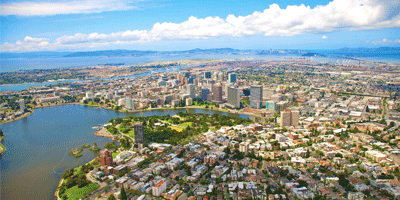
20, 117
135, 111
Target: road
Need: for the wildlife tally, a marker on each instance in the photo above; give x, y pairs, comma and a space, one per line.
102, 185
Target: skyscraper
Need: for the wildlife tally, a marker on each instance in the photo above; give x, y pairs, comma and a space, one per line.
294, 117
281, 106
256, 94
186, 74
285, 118
270, 105
138, 129
204, 93
106, 158
22, 105
191, 91
129, 104
207, 75
267, 93
191, 80
234, 97
277, 97
217, 93
289, 118
232, 78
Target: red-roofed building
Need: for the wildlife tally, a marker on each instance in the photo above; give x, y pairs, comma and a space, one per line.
159, 188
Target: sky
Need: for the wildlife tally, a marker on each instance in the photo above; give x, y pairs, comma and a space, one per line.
163, 25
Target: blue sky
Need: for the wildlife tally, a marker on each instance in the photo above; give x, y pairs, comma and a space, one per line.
180, 24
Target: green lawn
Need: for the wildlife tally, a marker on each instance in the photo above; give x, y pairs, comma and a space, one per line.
131, 133
77, 170
78, 193
176, 128
114, 155
186, 124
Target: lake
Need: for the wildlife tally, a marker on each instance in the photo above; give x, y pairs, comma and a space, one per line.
38, 146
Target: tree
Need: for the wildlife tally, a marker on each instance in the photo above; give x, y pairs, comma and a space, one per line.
123, 194
111, 197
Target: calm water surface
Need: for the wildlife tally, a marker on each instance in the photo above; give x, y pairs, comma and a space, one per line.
37, 146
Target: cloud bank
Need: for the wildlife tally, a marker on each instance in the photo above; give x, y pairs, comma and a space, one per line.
274, 21
385, 41
62, 8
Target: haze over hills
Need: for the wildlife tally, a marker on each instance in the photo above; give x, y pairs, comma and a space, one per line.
216, 51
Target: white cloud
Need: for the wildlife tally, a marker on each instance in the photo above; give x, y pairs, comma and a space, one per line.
385, 41
65, 7
324, 37
274, 21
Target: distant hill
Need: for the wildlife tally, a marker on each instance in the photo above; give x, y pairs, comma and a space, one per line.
41, 54
119, 52
351, 52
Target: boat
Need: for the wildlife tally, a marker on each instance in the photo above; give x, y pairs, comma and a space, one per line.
95, 127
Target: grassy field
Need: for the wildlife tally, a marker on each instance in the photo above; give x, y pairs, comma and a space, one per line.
176, 128
186, 124
78, 193
114, 155
131, 133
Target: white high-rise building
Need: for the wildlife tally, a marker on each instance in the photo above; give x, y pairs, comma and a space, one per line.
191, 91
22, 105
159, 188
234, 97
129, 104
267, 93
256, 95
244, 147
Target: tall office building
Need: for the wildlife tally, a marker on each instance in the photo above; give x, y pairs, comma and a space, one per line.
22, 105
281, 106
191, 91
289, 118
204, 93
267, 93
285, 118
256, 94
217, 93
221, 76
270, 105
129, 104
196, 82
138, 129
207, 75
191, 80
294, 118
186, 74
234, 97
106, 158
232, 78
277, 97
